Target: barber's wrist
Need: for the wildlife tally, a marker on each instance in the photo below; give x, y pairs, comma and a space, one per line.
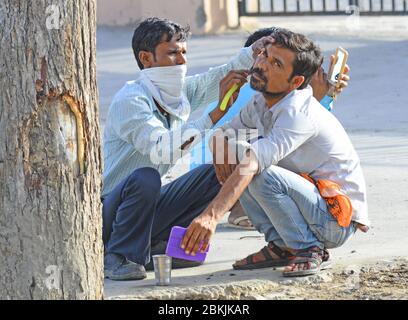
216, 115
319, 97
214, 211
332, 91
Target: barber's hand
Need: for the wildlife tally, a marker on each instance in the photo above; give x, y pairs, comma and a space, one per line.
344, 78
238, 77
200, 231
259, 45
223, 170
320, 84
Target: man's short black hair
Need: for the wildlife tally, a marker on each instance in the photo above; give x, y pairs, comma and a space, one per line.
260, 34
153, 31
308, 56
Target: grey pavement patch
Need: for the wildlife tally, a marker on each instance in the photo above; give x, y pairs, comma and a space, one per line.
232, 291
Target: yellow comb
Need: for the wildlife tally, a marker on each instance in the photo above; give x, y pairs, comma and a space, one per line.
228, 96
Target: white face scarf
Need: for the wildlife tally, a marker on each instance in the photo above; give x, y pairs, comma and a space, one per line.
166, 86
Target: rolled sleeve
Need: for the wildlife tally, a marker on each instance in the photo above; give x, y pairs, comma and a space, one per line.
134, 122
239, 131
202, 89
203, 123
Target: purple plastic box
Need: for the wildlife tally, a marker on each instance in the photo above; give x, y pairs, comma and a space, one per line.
174, 250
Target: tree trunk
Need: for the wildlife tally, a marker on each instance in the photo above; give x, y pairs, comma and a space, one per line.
50, 155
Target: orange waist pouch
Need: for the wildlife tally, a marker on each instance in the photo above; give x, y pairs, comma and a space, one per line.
337, 201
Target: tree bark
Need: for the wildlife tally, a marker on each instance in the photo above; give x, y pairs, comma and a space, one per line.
50, 154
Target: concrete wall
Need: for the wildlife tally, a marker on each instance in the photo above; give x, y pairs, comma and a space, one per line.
203, 16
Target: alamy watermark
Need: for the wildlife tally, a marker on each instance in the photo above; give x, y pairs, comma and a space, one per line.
230, 146
53, 20
53, 279
353, 277
353, 21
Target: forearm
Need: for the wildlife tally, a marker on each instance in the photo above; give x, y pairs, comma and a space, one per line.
216, 115
232, 190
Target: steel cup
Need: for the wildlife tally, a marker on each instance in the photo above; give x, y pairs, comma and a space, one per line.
162, 269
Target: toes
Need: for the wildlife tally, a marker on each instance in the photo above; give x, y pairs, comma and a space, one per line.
292, 268
297, 267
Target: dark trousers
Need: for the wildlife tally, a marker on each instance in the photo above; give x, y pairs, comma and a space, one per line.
140, 211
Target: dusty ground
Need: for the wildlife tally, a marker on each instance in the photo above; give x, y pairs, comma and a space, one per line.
381, 281
384, 280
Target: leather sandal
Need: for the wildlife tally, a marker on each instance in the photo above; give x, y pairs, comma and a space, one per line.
272, 256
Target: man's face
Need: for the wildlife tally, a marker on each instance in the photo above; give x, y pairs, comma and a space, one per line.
272, 71
167, 54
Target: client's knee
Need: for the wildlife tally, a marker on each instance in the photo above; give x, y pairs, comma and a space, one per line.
146, 181
269, 180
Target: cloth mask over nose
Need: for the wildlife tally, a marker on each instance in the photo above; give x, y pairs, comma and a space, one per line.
166, 86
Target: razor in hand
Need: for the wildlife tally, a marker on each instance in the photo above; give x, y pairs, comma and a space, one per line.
227, 97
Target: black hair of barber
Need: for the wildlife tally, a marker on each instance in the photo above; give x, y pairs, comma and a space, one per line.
153, 31
259, 34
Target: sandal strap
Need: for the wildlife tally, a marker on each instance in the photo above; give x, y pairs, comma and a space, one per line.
314, 253
281, 253
307, 260
266, 252
313, 257
250, 258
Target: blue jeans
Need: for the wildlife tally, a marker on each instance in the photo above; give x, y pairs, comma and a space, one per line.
289, 211
139, 211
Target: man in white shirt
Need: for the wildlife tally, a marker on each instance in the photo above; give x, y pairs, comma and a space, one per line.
294, 135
